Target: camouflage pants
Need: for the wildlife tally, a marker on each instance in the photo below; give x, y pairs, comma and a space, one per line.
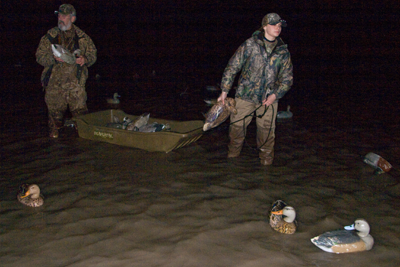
59, 97
265, 127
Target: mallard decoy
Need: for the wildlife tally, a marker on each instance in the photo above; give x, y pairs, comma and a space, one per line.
114, 100
29, 195
219, 113
348, 240
284, 114
380, 164
282, 218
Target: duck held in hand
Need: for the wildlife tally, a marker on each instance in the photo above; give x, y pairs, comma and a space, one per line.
219, 113
64, 54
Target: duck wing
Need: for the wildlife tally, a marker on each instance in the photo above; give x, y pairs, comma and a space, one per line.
214, 112
337, 237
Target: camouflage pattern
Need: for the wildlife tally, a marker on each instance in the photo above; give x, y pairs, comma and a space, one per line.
66, 9
262, 72
44, 54
272, 19
65, 83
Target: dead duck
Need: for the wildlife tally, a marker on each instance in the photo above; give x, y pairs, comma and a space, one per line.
139, 122
346, 241
29, 195
219, 113
282, 218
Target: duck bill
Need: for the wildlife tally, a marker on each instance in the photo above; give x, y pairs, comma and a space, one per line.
26, 194
350, 227
279, 212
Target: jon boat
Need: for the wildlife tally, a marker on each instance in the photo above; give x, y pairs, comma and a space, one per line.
93, 126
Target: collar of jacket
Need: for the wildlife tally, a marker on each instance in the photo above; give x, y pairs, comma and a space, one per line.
55, 31
259, 36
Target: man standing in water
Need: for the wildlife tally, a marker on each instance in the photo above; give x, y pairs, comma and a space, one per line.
266, 75
65, 83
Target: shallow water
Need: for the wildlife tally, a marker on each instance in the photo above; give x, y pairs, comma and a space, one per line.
107, 205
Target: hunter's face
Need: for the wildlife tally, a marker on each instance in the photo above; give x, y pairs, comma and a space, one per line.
272, 31
65, 21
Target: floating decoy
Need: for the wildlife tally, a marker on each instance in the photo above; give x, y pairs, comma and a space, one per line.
284, 114
380, 164
113, 100
282, 218
29, 195
354, 238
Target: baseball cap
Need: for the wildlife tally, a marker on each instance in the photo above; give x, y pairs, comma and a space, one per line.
66, 9
273, 19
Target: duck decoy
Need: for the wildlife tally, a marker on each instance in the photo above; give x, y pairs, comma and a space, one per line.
114, 100
380, 164
282, 218
354, 238
29, 195
284, 114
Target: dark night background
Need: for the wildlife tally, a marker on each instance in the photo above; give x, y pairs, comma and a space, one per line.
345, 53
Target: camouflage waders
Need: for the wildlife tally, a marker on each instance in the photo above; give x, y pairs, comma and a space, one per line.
58, 99
265, 130
64, 83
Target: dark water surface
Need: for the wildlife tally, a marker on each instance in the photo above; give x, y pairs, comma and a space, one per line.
107, 205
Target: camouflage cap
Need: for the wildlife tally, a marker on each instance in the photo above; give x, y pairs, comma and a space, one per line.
273, 19
66, 9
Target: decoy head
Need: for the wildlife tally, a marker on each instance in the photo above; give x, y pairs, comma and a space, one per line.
33, 191
288, 212
230, 103
116, 95
361, 226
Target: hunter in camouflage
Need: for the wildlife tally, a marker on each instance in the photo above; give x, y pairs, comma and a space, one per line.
266, 76
64, 83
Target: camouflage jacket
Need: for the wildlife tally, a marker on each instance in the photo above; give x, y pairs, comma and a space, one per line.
44, 53
262, 73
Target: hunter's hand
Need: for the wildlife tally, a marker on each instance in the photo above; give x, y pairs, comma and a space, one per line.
80, 60
270, 100
222, 97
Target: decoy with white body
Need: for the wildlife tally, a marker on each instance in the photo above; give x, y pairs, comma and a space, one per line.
64, 54
114, 100
354, 238
284, 114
